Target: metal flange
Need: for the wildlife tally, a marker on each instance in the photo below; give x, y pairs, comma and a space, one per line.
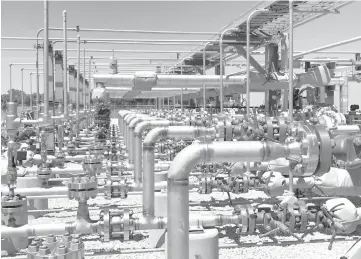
325, 160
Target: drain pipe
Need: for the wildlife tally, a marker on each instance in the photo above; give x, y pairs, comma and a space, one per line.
138, 131
178, 182
156, 134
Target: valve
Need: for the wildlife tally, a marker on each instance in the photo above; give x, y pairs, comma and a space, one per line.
205, 185
119, 188
82, 188
116, 224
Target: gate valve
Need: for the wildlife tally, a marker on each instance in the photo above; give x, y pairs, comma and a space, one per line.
205, 185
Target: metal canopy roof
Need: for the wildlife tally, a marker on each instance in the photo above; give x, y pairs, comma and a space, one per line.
264, 26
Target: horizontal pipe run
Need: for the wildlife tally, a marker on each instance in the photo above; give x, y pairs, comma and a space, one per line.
34, 230
138, 131
125, 40
57, 170
178, 183
156, 134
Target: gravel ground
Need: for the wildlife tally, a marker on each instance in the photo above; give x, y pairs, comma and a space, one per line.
227, 234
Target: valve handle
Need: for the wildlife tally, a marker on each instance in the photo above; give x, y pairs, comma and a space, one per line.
332, 238
269, 233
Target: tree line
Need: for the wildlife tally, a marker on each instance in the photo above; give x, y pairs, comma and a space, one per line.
5, 98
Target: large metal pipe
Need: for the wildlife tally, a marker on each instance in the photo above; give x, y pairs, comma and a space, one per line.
125, 129
34, 230
138, 131
131, 126
46, 60
127, 133
65, 64
178, 183
156, 134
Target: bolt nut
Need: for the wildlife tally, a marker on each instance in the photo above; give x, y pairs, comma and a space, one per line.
61, 249
66, 238
44, 250
50, 238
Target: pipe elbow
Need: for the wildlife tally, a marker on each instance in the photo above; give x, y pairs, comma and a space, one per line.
186, 160
138, 130
134, 122
154, 135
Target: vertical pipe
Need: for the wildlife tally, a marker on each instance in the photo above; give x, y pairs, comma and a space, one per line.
37, 96
84, 87
182, 99
31, 91
221, 73
78, 74
11, 85
22, 89
344, 94
204, 73
46, 60
248, 67
178, 197
89, 75
54, 71
290, 86
290, 67
65, 64
173, 101
182, 88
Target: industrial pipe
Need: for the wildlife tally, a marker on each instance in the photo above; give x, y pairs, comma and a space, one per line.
138, 131
65, 64
156, 134
221, 66
78, 76
46, 61
22, 89
248, 96
327, 47
290, 83
178, 183
204, 73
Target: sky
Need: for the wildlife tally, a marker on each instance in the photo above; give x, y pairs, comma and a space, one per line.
24, 19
